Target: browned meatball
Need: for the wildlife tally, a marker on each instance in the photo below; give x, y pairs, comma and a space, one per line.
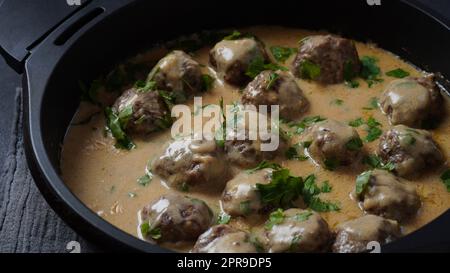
241, 197
331, 55
231, 59
148, 111
190, 163
224, 239
414, 102
249, 153
410, 150
179, 74
355, 235
333, 144
276, 88
386, 195
174, 218
299, 231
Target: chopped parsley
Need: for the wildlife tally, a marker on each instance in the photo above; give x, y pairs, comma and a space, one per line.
354, 144
116, 124
373, 104
337, 102
145, 179
370, 71
301, 126
362, 182
282, 190
257, 65
310, 194
373, 130
375, 162
275, 218
207, 82
146, 230
281, 54
272, 80
303, 216
331, 163
233, 36
309, 70
285, 188
223, 219
264, 165
357, 122
143, 86
350, 74
293, 154
398, 73
445, 177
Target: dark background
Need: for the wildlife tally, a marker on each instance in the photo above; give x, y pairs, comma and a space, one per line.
54, 229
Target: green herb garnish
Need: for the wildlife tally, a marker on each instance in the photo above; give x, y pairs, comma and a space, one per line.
445, 177
362, 182
223, 219
116, 126
207, 82
370, 71
265, 165
146, 230
281, 54
275, 218
357, 122
309, 70
282, 190
398, 73
354, 144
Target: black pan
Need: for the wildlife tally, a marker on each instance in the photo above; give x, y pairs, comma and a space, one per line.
105, 32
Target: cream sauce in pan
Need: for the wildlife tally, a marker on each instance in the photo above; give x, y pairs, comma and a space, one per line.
105, 178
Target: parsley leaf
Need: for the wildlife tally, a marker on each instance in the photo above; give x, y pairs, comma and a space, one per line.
309, 70
331, 163
223, 219
362, 182
357, 122
275, 218
292, 153
233, 36
257, 65
146, 230
281, 54
115, 124
207, 82
397, 73
305, 123
445, 177
282, 190
375, 162
373, 104
272, 80
354, 144
303, 216
370, 71
264, 165
145, 179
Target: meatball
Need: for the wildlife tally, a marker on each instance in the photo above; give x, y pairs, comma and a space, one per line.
410, 150
332, 57
248, 153
241, 198
353, 236
231, 59
192, 163
179, 74
146, 112
276, 88
382, 193
174, 218
413, 102
224, 239
332, 144
299, 231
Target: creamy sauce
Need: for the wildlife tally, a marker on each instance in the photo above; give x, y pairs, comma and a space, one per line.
104, 178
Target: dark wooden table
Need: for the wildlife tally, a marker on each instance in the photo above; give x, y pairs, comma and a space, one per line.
27, 224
